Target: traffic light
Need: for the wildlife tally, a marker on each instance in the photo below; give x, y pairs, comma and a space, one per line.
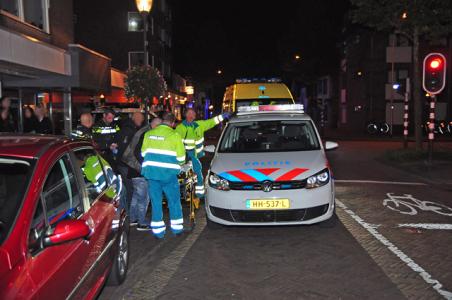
434, 73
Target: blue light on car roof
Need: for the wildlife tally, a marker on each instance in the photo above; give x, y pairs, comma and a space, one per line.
262, 88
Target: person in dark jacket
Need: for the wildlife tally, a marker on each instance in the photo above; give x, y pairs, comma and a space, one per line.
30, 121
133, 159
7, 123
128, 129
84, 130
43, 124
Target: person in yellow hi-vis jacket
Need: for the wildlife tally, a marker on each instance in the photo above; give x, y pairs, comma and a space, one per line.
163, 154
192, 132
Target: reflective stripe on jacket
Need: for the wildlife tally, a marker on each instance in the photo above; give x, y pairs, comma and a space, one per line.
163, 152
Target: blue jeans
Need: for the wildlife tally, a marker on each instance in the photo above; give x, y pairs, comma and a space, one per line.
140, 200
197, 168
172, 192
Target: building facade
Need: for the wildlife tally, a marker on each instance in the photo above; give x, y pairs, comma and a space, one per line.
41, 64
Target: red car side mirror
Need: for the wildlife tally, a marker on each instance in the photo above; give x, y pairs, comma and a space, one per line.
66, 231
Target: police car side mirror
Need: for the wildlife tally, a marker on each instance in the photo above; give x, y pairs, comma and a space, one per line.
331, 145
209, 148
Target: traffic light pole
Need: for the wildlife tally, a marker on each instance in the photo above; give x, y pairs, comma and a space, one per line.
431, 128
406, 114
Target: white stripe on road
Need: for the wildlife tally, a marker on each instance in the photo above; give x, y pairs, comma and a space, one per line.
380, 182
427, 226
396, 251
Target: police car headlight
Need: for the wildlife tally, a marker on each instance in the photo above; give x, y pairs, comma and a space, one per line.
218, 183
319, 179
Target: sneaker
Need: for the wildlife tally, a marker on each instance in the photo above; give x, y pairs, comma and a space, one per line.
143, 227
133, 223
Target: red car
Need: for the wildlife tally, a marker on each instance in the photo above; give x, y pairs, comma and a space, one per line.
62, 234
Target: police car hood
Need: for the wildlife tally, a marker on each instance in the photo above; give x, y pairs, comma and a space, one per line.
274, 166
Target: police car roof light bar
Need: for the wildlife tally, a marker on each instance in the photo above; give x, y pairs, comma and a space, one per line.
299, 108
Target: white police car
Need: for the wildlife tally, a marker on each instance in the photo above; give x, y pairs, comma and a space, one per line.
270, 168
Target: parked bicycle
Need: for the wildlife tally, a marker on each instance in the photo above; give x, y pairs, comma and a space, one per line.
375, 128
408, 205
441, 127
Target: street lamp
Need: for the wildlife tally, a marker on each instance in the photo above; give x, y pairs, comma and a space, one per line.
144, 7
297, 57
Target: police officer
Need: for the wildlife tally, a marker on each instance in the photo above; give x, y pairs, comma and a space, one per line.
192, 133
163, 152
105, 136
84, 130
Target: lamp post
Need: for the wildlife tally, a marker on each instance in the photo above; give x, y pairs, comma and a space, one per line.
145, 7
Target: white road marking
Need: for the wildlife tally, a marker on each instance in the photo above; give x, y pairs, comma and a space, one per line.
427, 226
380, 182
399, 253
406, 204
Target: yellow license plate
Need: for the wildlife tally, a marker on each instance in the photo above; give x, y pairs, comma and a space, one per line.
268, 204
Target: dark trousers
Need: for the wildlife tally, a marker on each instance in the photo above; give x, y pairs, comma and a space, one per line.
123, 171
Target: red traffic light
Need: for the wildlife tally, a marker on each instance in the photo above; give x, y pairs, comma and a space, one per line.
435, 63
434, 73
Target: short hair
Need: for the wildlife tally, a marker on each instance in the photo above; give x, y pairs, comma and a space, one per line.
168, 118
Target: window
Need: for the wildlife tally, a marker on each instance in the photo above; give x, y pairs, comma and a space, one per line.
93, 174
10, 6
269, 136
135, 21
136, 58
15, 175
60, 193
33, 12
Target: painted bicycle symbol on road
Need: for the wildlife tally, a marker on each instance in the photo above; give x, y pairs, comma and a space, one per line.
408, 205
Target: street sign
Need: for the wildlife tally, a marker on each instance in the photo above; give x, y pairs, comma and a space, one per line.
434, 73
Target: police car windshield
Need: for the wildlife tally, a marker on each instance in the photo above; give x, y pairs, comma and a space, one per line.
269, 136
263, 101
14, 179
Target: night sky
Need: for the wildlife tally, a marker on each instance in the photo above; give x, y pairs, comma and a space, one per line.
255, 38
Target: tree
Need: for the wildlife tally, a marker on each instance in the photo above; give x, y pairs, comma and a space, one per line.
143, 83
415, 19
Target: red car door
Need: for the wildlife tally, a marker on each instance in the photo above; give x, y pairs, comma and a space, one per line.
102, 216
57, 269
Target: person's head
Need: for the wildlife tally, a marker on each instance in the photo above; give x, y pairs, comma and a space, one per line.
5, 102
28, 112
138, 119
109, 116
169, 119
86, 120
40, 111
156, 122
190, 115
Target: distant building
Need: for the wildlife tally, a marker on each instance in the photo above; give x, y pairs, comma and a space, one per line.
39, 62
115, 27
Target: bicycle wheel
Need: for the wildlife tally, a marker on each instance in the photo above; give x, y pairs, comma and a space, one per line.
384, 127
400, 206
372, 128
438, 208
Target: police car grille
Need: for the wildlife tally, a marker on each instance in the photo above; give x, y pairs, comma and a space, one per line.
277, 185
250, 216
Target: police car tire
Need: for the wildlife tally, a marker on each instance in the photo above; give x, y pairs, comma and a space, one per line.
116, 278
212, 225
331, 222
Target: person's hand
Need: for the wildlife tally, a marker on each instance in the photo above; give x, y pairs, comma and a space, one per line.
226, 116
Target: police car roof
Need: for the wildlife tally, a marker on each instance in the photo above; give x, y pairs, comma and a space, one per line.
269, 116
